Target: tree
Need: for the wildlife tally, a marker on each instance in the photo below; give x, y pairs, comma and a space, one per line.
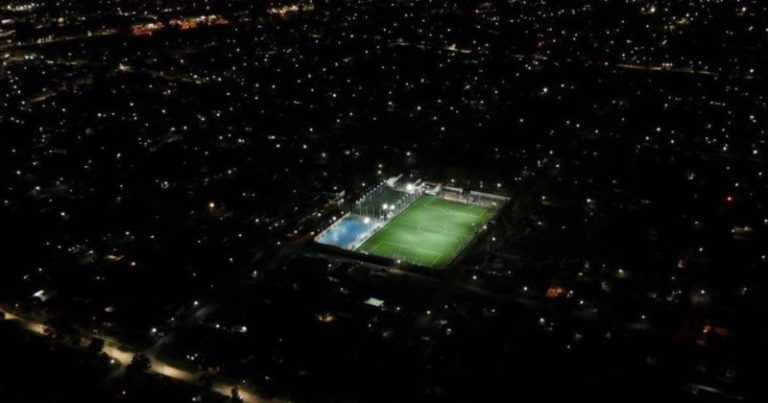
206, 380
235, 396
139, 363
62, 330
96, 345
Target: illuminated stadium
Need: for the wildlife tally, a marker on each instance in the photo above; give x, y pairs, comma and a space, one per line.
419, 223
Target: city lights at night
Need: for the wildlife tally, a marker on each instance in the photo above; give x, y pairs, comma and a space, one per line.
403, 201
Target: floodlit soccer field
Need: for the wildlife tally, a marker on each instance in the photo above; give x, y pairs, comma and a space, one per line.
430, 232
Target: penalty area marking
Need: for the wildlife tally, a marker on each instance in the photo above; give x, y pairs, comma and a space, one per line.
451, 209
406, 247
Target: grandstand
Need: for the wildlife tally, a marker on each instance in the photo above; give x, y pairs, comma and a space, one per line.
419, 223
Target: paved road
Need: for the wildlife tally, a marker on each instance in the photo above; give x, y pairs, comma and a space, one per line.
115, 350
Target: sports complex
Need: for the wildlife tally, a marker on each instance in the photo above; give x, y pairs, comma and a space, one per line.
424, 224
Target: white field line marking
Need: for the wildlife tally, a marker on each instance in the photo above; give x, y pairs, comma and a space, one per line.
419, 250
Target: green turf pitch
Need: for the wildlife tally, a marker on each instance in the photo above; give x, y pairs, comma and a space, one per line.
430, 232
